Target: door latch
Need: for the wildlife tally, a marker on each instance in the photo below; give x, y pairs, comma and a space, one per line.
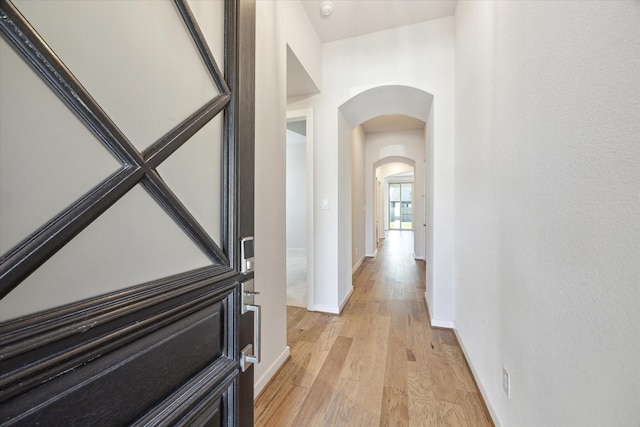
246, 255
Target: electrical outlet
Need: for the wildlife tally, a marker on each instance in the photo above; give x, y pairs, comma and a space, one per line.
506, 382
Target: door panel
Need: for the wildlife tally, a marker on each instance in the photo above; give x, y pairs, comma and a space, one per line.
168, 81
124, 307
184, 352
131, 251
195, 169
210, 18
35, 174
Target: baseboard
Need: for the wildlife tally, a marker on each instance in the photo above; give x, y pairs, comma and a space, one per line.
331, 309
346, 299
451, 325
442, 324
426, 303
275, 366
492, 413
357, 266
436, 323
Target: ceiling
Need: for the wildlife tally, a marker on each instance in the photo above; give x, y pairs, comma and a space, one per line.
352, 18
392, 123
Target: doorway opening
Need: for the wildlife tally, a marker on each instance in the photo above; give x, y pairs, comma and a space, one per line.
400, 206
396, 201
299, 209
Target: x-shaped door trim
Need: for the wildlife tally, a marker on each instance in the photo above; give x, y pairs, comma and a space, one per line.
138, 167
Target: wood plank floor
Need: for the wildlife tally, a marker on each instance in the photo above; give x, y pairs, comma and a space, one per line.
379, 362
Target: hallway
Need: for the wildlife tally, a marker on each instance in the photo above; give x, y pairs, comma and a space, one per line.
379, 362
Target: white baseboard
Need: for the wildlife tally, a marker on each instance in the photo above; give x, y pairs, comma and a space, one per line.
442, 324
357, 266
436, 323
492, 413
323, 308
346, 298
266, 377
332, 309
451, 325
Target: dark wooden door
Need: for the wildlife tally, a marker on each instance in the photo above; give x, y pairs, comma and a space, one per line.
126, 185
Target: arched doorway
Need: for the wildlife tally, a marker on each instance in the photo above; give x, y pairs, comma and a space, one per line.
381, 101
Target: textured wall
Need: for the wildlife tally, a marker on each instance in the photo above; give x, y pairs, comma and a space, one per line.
547, 207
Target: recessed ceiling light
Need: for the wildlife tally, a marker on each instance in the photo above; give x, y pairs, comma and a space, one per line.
326, 8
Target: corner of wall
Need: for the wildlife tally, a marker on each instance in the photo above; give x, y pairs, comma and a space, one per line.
271, 371
358, 264
483, 392
345, 299
325, 308
437, 323
303, 40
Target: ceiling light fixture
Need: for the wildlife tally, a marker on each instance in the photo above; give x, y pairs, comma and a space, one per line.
326, 8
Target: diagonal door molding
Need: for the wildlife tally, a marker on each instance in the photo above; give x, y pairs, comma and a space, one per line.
37, 248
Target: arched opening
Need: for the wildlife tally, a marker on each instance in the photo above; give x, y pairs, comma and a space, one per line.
395, 200
360, 194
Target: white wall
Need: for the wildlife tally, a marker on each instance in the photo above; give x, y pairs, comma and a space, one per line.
296, 191
442, 311
429, 185
344, 209
270, 188
302, 39
419, 56
326, 224
358, 196
408, 144
547, 209
278, 24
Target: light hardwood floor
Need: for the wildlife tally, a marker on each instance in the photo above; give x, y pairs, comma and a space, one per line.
378, 363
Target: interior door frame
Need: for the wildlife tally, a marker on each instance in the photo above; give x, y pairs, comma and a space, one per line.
400, 183
44, 356
307, 116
